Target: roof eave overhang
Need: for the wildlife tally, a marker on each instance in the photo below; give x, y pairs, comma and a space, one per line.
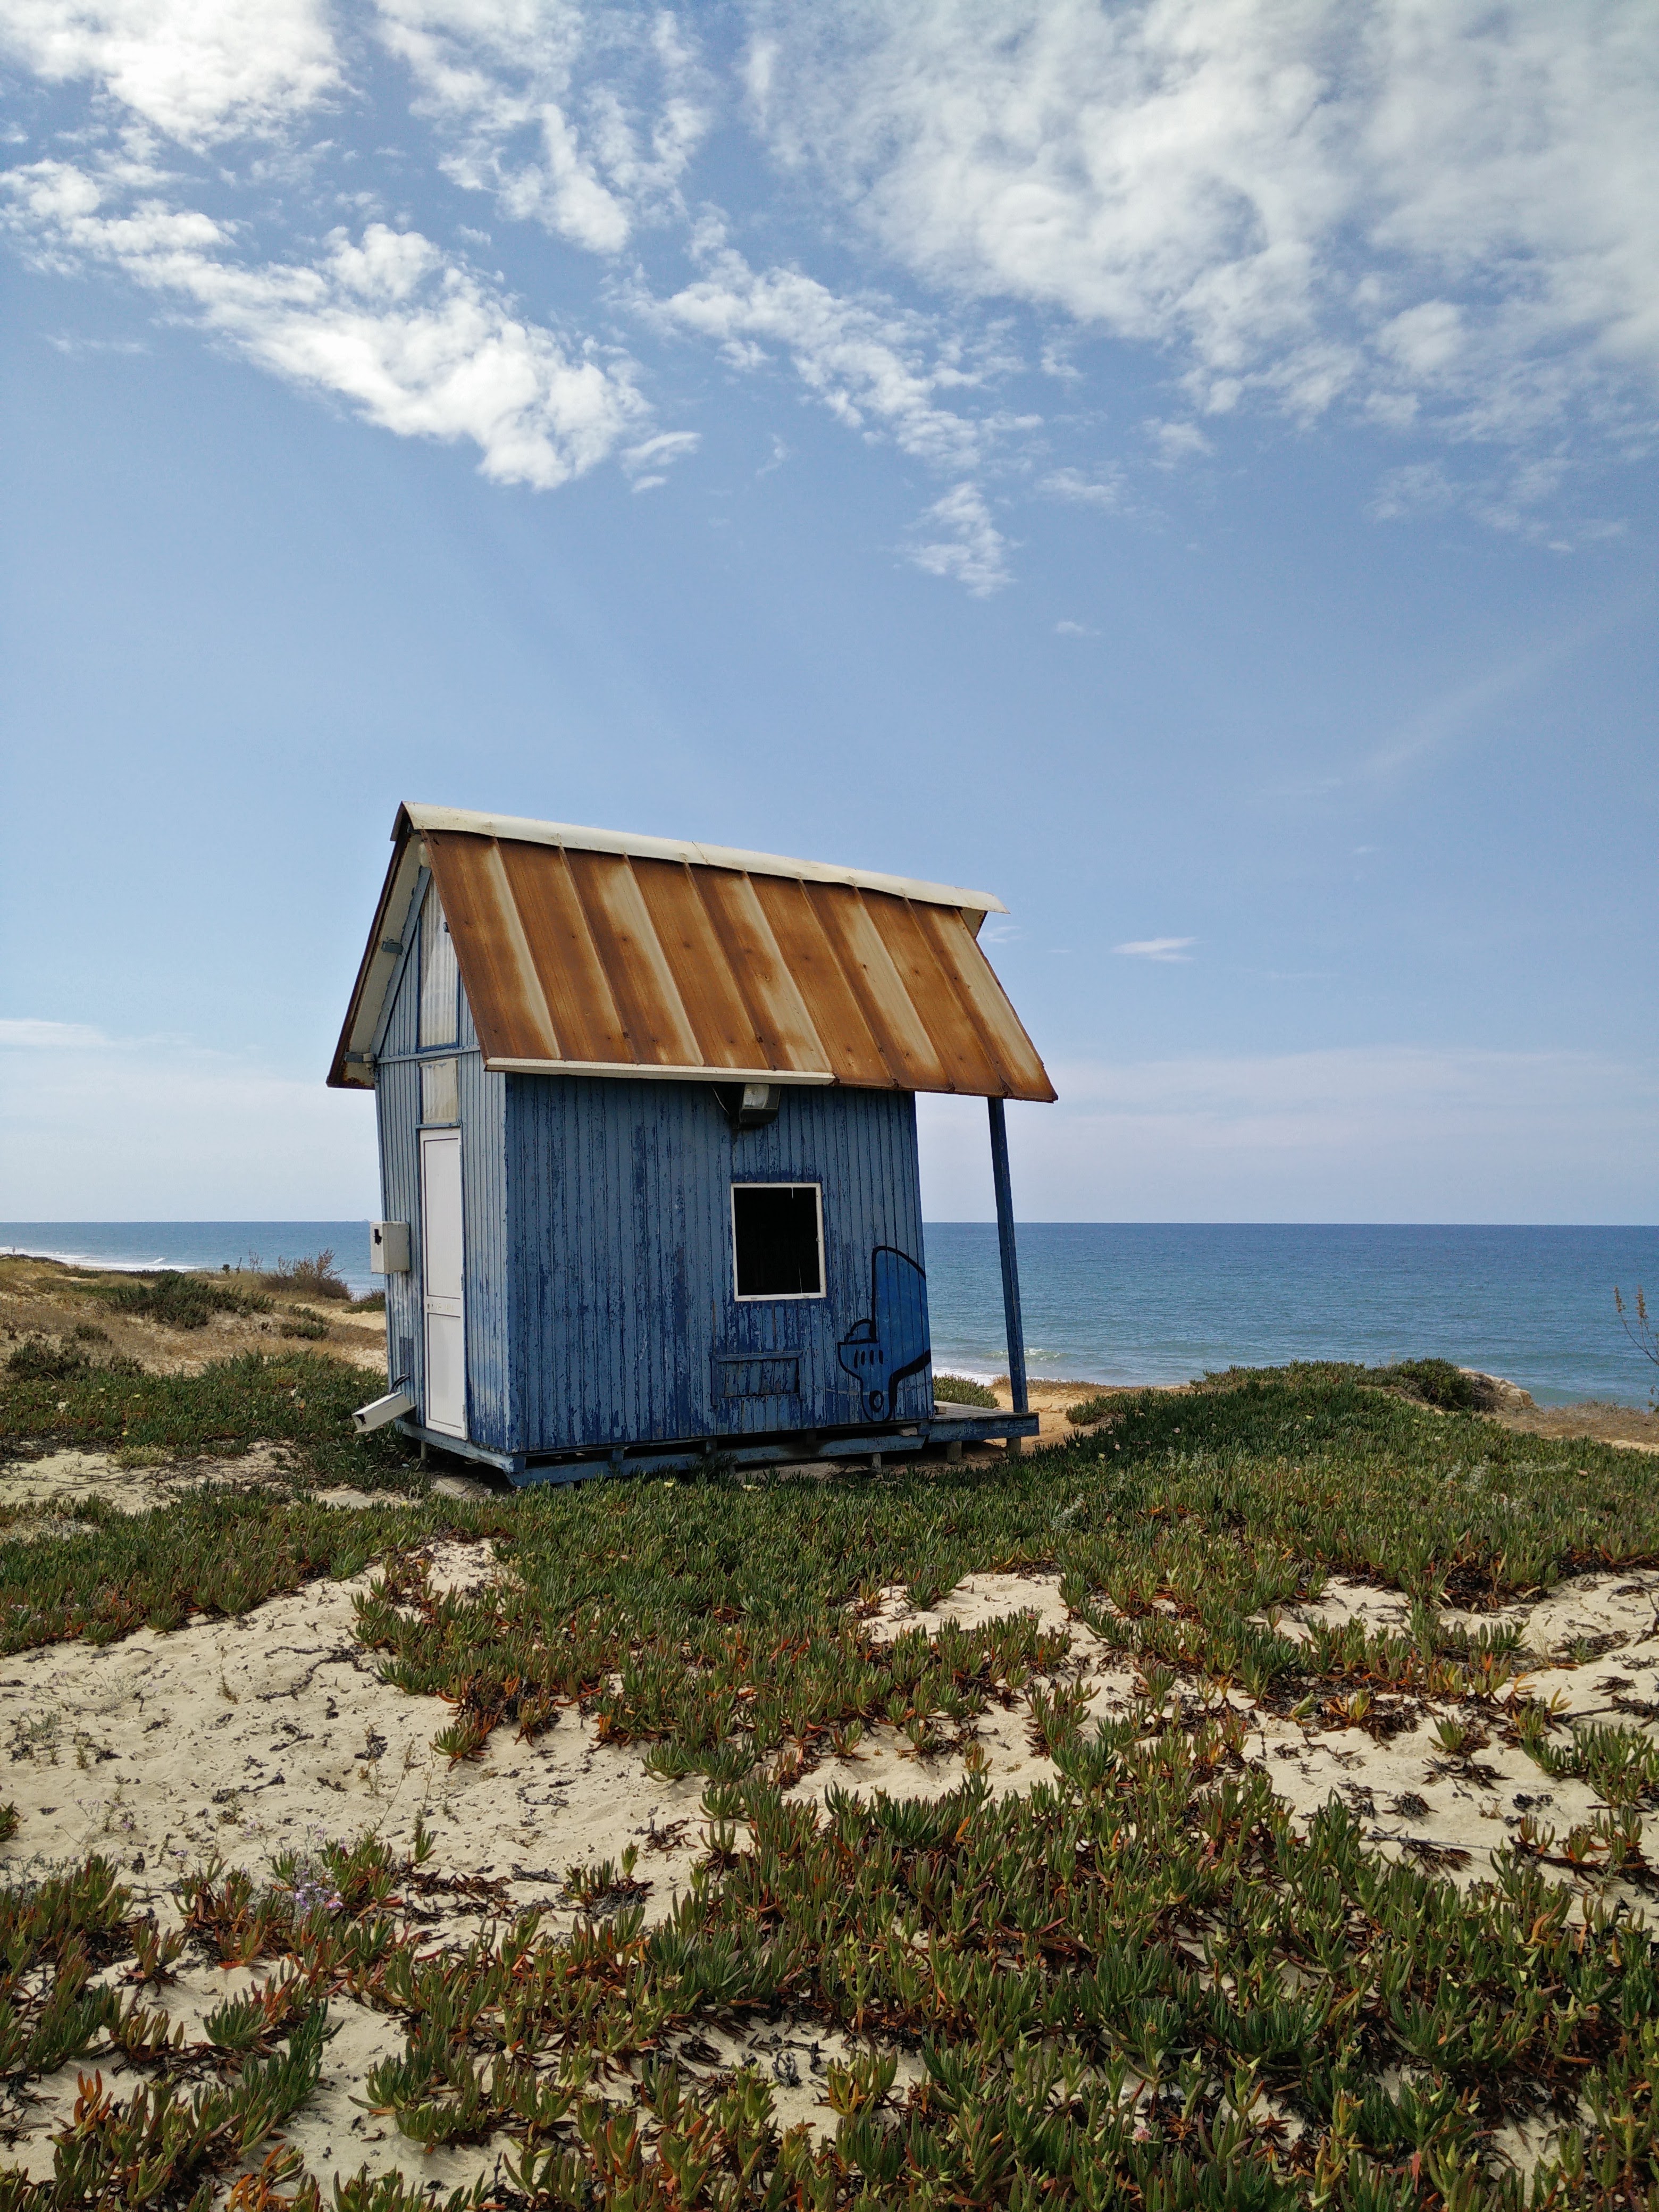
652, 1071
353, 1066
779, 1079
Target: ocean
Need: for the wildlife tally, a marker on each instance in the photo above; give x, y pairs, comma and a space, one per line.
1154, 1301
1160, 1302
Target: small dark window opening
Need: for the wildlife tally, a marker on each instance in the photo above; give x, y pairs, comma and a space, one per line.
777, 1234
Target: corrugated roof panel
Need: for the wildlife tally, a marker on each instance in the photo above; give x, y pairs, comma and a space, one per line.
980, 1001
848, 1042
493, 948
930, 987
707, 984
642, 979
849, 920
614, 955
777, 1011
572, 975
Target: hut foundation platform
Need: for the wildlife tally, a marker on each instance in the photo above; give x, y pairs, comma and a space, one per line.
952, 1430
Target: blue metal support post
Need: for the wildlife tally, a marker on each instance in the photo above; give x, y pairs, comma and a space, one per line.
1009, 1263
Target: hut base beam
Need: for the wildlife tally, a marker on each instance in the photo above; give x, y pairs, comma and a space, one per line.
788, 1447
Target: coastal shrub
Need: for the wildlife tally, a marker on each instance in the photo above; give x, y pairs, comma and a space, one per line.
37, 1360
304, 1323
164, 2141
214, 1550
1143, 1985
1437, 1382
1220, 1502
298, 1398
723, 1624
178, 1301
1140, 1981
315, 1278
1639, 1327
960, 1391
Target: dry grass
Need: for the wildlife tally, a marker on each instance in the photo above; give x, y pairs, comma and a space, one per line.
46, 1302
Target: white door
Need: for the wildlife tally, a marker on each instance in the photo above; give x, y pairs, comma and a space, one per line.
441, 1264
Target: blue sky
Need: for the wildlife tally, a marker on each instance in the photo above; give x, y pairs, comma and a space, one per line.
1189, 468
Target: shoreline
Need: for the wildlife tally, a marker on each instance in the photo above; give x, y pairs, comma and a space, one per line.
1147, 1305
360, 1338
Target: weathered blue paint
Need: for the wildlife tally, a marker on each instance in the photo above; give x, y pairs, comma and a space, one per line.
488, 1280
891, 1341
1010, 1313
601, 1308
629, 1328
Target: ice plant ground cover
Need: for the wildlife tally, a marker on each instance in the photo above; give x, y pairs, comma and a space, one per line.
1141, 1962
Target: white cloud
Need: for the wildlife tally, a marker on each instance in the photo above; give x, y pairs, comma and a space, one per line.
417, 343
614, 105
1445, 218
161, 1129
1174, 442
1362, 1134
199, 69
1425, 340
1067, 628
1071, 484
1419, 488
1157, 948
971, 551
22, 1035
1453, 207
62, 342
877, 368
644, 464
666, 446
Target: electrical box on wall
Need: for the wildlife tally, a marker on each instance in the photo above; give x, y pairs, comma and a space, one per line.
388, 1247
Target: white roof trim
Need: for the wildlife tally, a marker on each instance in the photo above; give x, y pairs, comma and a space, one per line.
516, 830
630, 1068
382, 968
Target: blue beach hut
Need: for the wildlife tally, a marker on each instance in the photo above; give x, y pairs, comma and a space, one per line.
648, 1137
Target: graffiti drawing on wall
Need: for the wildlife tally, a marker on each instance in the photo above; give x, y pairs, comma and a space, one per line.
891, 1341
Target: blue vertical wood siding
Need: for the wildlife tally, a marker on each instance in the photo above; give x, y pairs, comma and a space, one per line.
600, 1304
621, 1312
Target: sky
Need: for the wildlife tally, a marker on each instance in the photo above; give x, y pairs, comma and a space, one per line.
1189, 468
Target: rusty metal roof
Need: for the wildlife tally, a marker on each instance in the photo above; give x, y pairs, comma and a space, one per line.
587, 953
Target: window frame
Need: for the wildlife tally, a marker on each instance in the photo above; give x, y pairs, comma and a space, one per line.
779, 1297
435, 1061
